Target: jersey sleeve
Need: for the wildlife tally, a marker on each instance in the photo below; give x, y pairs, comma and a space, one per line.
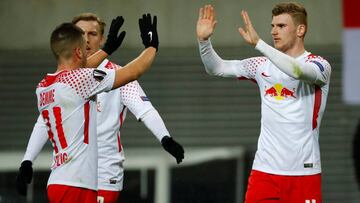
139, 104
321, 67
37, 140
88, 82
135, 99
315, 71
214, 65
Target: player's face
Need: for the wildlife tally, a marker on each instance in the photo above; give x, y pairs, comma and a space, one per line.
82, 54
283, 32
93, 37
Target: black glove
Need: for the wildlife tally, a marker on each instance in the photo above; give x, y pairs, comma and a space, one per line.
148, 31
174, 148
114, 40
24, 177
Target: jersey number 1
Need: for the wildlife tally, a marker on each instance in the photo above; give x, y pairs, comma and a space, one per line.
59, 127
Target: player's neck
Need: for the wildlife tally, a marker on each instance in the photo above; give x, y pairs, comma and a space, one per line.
296, 50
67, 65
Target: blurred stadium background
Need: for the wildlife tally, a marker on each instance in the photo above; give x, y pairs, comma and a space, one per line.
202, 112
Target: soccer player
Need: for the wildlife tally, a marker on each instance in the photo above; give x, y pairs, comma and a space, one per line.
294, 85
112, 109
67, 104
111, 112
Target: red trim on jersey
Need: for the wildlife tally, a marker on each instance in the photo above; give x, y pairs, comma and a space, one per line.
121, 123
59, 127
50, 79
109, 65
119, 142
312, 56
317, 104
122, 116
45, 115
351, 16
244, 78
86, 125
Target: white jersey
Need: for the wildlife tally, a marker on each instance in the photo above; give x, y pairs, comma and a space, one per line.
291, 110
111, 112
67, 103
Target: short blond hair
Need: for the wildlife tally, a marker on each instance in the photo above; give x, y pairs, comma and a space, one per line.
295, 10
90, 17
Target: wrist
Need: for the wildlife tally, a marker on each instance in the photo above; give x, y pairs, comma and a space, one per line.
203, 39
260, 43
256, 42
151, 48
26, 163
165, 138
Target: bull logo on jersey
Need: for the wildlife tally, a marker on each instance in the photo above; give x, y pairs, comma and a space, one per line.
279, 92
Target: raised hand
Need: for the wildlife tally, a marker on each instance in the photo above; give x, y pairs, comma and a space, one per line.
148, 31
248, 32
114, 39
206, 23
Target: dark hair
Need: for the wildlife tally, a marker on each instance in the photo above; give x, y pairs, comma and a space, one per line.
64, 38
295, 10
90, 17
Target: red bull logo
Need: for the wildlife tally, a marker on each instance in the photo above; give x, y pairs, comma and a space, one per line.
279, 92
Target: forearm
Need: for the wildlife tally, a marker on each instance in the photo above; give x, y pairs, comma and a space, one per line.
36, 142
214, 65
287, 64
155, 124
95, 60
135, 68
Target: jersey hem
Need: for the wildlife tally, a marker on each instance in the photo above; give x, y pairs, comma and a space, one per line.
72, 184
288, 173
110, 188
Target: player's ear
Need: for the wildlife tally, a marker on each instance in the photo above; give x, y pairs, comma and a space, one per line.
79, 53
102, 42
301, 30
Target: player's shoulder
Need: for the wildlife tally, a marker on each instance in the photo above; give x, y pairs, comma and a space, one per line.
320, 61
313, 57
51, 79
67, 77
256, 61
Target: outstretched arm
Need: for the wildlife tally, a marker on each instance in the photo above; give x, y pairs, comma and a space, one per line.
311, 72
206, 23
113, 42
138, 66
37, 141
139, 104
214, 65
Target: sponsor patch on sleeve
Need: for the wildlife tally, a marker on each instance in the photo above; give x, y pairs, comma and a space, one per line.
99, 75
319, 65
144, 98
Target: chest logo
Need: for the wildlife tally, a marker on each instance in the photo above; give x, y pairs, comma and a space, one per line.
279, 92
